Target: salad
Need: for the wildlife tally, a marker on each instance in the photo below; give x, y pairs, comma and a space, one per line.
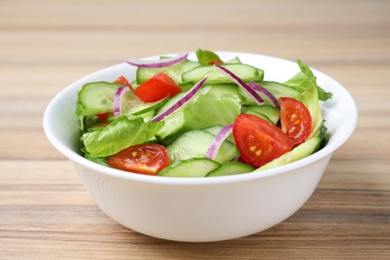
200, 118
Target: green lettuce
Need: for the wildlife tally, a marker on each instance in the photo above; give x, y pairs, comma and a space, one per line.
208, 111
123, 132
205, 56
304, 80
309, 98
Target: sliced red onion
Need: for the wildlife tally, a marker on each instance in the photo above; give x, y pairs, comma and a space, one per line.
118, 99
158, 63
268, 95
217, 142
181, 102
242, 84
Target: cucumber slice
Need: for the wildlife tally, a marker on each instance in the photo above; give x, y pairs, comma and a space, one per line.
133, 105
148, 115
271, 113
255, 113
301, 151
195, 167
174, 71
96, 98
278, 89
231, 168
218, 91
170, 103
185, 86
195, 143
243, 71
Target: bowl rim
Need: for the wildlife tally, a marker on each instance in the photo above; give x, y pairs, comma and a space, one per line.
79, 159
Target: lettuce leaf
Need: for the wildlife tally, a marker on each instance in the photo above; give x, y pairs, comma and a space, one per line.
304, 80
123, 132
208, 111
309, 98
205, 56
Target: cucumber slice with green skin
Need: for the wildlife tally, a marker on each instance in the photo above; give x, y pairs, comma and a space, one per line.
218, 91
132, 105
301, 151
245, 72
174, 71
255, 113
270, 112
185, 86
171, 102
278, 89
195, 143
195, 167
231, 168
98, 97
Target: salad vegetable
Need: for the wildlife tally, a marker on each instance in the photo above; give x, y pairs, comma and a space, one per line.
295, 119
156, 88
143, 158
200, 118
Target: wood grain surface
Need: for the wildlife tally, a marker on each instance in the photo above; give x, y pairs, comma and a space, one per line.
46, 213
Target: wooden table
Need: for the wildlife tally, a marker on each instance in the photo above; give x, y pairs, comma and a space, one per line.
45, 212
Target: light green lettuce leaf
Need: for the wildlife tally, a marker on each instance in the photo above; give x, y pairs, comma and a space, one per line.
304, 80
123, 132
205, 56
207, 111
309, 98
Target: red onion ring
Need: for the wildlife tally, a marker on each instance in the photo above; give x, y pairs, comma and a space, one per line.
242, 84
181, 102
158, 63
218, 141
268, 95
118, 99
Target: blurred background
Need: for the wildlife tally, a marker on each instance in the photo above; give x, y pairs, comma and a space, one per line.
61, 41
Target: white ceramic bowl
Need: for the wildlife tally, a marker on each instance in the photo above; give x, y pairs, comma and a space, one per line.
202, 209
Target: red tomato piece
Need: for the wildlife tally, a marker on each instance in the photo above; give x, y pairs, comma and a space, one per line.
102, 116
143, 158
157, 88
124, 81
259, 141
295, 119
215, 62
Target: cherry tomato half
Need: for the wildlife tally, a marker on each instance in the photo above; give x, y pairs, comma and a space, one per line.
143, 158
157, 87
259, 141
295, 119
